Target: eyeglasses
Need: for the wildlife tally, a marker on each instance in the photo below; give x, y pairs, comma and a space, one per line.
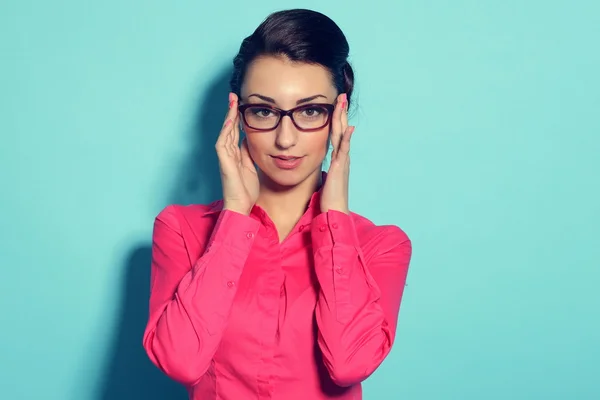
307, 117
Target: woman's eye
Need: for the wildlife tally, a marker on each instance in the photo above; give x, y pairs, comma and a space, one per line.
262, 112
312, 112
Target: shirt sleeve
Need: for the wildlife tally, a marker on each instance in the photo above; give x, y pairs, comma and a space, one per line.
190, 300
359, 300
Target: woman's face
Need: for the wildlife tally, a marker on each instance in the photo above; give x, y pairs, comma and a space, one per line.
278, 82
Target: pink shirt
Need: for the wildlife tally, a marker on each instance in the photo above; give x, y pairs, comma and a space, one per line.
234, 314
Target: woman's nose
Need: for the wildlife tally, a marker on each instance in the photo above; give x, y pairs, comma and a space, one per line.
286, 134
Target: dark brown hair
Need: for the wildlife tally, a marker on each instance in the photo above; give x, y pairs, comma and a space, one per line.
300, 35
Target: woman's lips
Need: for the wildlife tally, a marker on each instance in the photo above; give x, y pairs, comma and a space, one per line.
287, 162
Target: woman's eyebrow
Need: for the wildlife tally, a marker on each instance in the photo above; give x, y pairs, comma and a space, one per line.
311, 98
263, 98
271, 100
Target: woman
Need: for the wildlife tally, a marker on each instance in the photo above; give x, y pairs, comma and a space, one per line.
278, 291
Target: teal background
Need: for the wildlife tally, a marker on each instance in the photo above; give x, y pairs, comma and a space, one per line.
478, 132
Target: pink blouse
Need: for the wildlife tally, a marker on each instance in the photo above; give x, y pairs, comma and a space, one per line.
234, 314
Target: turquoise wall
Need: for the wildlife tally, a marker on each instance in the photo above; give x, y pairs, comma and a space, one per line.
478, 132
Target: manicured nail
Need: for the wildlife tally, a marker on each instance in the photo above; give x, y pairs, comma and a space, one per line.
230, 103
227, 123
344, 103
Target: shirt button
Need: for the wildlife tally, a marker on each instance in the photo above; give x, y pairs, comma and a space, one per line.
249, 235
339, 270
322, 228
335, 225
230, 284
301, 228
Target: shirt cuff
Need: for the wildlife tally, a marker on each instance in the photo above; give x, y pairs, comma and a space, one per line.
331, 228
229, 246
234, 230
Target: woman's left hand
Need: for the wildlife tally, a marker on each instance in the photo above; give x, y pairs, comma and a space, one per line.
335, 191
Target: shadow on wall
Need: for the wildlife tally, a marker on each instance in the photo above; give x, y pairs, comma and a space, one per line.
129, 373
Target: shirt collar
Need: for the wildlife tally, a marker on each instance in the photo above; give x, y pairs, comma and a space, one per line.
313, 209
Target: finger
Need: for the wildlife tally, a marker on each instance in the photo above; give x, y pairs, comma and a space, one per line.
345, 144
228, 141
236, 122
336, 123
222, 139
234, 137
246, 157
344, 114
236, 127
229, 118
233, 103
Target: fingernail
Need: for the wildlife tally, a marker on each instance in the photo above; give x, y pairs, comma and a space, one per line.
344, 104
230, 103
345, 96
230, 97
228, 122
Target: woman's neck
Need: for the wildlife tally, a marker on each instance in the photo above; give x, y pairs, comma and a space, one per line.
285, 206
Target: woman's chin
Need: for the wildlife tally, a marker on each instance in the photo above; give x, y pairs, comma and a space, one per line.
285, 179
281, 179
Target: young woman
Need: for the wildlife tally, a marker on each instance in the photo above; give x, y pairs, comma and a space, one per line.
278, 291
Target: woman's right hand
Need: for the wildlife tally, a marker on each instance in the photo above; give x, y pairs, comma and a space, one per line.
238, 174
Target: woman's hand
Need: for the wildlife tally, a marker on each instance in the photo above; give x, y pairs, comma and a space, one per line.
335, 192
238, 174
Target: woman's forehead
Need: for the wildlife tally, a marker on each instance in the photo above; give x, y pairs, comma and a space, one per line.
285, 81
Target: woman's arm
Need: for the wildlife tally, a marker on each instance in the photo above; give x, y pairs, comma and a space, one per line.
190, 301
360, 294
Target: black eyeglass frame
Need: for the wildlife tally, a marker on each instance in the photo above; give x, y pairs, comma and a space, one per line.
290, 113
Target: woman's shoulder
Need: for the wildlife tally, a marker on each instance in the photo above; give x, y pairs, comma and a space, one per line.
378, 237
177, 216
